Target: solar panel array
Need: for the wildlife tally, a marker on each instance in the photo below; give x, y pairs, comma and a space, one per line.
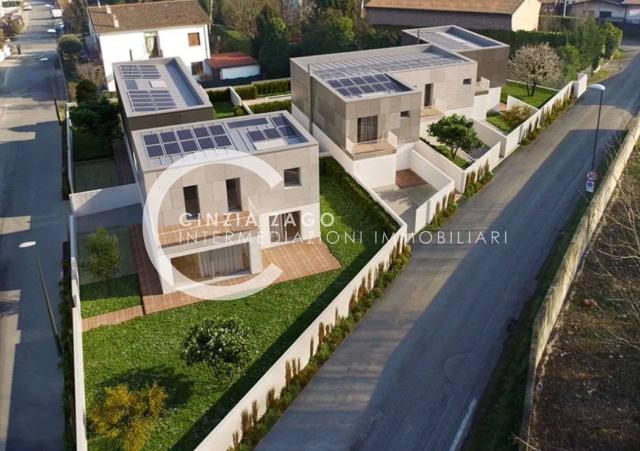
367, 84
139, 71
151, 99
186, 140
446, 40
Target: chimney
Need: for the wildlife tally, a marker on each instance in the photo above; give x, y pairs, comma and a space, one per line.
116, 22
108, 8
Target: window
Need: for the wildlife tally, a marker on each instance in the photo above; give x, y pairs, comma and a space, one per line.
194, 39
197, 68
285, 227
405, 114
428, 94
367, 129
466, 81
234, 199
292, 177
191, 202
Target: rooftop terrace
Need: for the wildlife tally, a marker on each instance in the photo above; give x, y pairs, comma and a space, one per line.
452, 38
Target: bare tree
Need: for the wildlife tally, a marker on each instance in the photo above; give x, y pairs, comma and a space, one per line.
241, 14
91, 72
534, 65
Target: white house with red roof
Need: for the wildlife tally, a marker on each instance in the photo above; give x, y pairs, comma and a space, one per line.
228, 66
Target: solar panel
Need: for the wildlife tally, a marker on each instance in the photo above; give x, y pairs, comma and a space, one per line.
343, 91
287, 131
172, 148
366, 89
358, 80
248, 123
154, 151
216, 130
185, 134
377, 87
335, 83
201, 132
206, 143
131, 84
346, 82
390, 86
168, 137
370, 79
279, 120
380, 77
271, 133
222, 141
256, 135
151, 139
189, 146
354, 90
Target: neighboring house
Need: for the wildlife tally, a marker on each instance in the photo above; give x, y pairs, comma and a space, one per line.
627, 11
232, 65
139, 31
478, 15
367, 108
166, 116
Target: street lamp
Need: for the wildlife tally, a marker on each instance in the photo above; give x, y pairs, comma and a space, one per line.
597, 87
52, 321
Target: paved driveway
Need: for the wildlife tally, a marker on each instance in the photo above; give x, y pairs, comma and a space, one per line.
31, 208
410, 376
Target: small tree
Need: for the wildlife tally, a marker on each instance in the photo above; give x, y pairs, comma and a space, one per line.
612, 39
70, 44
274, 50
86, 91
222, 344
456, 132
125, 417
104, 255
97, 117
535, 64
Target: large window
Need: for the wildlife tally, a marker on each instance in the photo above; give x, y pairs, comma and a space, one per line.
367, 129
191, 202
292, 177
285, 227
197, 68
194, 39
428, 95
234, 198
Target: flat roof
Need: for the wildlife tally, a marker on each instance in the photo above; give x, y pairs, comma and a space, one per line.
367, 73
453, 38
157, 85
158, 148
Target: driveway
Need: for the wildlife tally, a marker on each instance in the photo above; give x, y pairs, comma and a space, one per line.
411, 374
31, 208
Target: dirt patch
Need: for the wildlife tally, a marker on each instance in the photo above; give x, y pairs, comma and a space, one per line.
588, 395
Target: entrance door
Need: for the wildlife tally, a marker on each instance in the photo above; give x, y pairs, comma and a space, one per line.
285, 227
428, 94
234, 198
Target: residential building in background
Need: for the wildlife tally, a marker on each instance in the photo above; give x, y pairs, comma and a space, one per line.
166, 116
622, 11
493, 14
232, 66
139, 31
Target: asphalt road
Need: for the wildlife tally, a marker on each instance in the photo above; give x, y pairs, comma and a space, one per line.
31, 208
411, 374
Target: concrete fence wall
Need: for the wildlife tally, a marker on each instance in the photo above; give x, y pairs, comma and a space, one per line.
70, 167
302, 350
80, 404
105, 199
235, 97
554, 299
439, 180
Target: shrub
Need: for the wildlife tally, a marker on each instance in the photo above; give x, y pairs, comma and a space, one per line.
104, 255
612, 39
86, 91
97, 117
239, 111
456, 132
70, 44
273, 86
219, 95
247, 92
125, 417
222, 344
271, 106
516, 115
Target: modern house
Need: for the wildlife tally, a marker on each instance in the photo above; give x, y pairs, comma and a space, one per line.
139, 31
216, 218
232, 65
479, 15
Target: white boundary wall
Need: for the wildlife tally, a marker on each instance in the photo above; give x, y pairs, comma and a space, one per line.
221, 437
70, 163
78, 356
105, 199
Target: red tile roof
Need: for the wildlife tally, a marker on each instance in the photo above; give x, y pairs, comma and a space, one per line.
458, 6
231, 59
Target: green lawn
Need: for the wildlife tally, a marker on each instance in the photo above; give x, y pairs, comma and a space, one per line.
519, 91
457, 160
127, 262
87, 146
95, 174
497, 120
103, 297
148, 349
225, 109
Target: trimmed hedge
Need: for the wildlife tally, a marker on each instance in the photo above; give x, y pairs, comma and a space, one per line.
273, 86
219, 95
278, 105
247, 92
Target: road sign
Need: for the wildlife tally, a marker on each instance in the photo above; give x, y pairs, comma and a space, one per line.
591, 186
592, 176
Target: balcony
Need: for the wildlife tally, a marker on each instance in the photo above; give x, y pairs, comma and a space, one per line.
381, 146
207, 228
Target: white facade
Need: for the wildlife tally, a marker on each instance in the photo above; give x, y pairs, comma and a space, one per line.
230, 73
131, 45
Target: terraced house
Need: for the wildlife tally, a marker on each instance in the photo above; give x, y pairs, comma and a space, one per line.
218, 214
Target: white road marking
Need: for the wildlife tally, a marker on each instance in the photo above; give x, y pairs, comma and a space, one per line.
463, 426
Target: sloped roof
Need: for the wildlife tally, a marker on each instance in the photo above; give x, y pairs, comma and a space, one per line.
146, 16
231, 59
459, 6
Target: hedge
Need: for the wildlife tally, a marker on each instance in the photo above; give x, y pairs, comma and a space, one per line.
247, 92
273, 86
278, 105
219, 95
